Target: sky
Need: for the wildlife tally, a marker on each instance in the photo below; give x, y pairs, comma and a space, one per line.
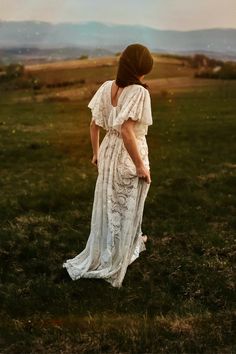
161, 14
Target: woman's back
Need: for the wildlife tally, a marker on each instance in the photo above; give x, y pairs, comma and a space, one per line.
133, 102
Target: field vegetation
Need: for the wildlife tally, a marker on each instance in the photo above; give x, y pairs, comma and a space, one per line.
178, 296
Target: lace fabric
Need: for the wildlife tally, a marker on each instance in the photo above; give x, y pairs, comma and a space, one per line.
135, 103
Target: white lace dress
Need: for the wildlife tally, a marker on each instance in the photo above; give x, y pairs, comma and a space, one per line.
115, 236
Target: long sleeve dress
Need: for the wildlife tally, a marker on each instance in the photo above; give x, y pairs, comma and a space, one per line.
115, 238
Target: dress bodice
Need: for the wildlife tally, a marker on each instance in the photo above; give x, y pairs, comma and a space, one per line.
134, 102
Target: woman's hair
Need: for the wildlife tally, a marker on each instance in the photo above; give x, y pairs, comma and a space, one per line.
135, 61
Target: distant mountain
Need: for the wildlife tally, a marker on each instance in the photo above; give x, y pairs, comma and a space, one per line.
87, 37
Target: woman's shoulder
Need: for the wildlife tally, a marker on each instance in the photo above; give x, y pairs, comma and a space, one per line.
135, 87
102, 86
105, 83
138, 90
139, 87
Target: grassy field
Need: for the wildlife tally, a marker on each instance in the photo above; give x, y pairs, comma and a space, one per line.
177, 297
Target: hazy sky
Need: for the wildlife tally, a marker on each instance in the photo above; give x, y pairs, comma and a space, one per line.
163, 14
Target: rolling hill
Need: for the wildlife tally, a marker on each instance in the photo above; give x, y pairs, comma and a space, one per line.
96, 38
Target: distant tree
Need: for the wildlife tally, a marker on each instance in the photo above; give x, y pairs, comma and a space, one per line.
198, 60
14, 70
35, 83
83, 56
201, 60
213, 62
227, 71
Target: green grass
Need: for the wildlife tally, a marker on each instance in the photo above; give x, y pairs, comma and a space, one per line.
177, 297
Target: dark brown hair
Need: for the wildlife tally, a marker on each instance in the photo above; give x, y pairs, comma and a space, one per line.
135, 61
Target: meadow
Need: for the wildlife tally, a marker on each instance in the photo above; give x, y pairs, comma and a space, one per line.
178, 296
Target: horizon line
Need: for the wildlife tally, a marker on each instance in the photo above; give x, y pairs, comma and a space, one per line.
120, 24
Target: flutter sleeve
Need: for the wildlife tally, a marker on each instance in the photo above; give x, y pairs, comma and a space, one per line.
137, 106
98, 106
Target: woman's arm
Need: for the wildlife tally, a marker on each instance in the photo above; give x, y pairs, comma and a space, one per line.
129, 139
94, 135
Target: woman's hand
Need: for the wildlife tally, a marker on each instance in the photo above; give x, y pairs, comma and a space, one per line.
144, 173
127, 133
95, 160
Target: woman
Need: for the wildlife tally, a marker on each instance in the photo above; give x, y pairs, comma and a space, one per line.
123, 108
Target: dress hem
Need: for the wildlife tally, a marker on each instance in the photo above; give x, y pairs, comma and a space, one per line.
140, 247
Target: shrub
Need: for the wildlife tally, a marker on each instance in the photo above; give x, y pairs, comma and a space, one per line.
36, 84
23, 83
14, 70
227, 72
83, 57
201, 60
57, 84
56, 99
